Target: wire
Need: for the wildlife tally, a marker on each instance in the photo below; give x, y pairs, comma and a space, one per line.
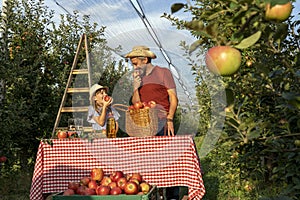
154, 36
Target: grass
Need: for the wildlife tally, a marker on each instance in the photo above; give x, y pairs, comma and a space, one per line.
15, 186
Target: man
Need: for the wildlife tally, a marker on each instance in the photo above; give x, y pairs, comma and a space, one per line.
154, 83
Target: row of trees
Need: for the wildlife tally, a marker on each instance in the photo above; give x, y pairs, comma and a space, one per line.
35, 68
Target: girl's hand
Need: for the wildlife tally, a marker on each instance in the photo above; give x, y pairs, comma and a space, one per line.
108, 102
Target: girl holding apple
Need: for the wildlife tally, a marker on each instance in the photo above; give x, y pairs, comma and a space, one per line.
100, 108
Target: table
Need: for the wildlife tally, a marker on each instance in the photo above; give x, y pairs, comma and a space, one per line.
163, 161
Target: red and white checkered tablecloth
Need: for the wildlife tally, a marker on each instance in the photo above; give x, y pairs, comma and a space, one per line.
162, 161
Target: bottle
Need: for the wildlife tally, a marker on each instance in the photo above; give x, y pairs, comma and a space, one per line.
111, 126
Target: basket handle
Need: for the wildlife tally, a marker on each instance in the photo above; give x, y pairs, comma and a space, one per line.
124, 108
121, 107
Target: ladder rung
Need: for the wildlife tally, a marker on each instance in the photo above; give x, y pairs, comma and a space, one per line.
73, 90
80, 71
75, 109
85, 128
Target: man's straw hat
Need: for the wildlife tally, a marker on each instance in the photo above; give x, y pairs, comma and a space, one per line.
140, 51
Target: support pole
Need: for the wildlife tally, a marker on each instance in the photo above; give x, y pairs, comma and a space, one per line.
3, 45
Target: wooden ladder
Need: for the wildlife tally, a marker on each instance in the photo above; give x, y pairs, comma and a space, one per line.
69, 90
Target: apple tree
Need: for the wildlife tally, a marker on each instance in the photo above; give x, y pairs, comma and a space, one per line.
262, 113
40, 53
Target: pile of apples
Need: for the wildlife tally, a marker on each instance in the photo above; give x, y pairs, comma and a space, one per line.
142, 105
115, 183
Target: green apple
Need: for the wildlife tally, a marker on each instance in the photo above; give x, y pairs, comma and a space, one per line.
279, 12
223, 60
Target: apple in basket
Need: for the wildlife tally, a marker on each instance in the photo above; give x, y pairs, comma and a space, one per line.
152, 104
90, 191
116, 191
106, 181
131, 188
138, 105
81, 190
97, 174
112, 185
85, 181
116, 175
137, 176
121, 182
102, 190
93, 184
131, 107
68, 192
145, 187
73, 185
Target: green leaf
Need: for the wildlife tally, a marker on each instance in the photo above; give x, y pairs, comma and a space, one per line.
195, 45
249, 41
176, 7
253, 134
279, 2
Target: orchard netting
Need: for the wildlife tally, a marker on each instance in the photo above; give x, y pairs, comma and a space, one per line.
132, 22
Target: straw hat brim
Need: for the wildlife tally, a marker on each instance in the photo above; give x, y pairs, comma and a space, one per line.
140, 51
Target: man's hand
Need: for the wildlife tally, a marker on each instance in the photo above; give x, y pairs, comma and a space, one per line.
136, 79
169, 129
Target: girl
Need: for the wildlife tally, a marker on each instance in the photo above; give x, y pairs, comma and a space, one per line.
100, 108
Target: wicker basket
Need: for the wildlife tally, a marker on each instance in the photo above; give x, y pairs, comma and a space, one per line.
140, 122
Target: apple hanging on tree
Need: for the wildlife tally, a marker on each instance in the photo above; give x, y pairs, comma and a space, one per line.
223, 60
278, 12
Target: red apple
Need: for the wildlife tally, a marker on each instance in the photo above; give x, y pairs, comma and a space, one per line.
73, 185
278, 12
72, 134
152, 104
145, 187
107, 98
105, 181
115, 191
138, 105
102, 190
62, 134
137, 176
90, 191
93, 184
68, 192
85, 181
128, 176
112, 185
131, 107
134, 180
3, 159
97, 174
131, 188
81, 190
121, 182
116, 175
223, 60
